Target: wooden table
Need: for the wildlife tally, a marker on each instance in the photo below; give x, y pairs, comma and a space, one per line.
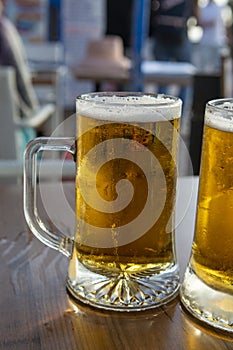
37, 312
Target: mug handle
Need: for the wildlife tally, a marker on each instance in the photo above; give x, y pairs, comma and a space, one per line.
57, 241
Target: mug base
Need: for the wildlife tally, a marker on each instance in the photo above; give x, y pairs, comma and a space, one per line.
209, 305
124, 292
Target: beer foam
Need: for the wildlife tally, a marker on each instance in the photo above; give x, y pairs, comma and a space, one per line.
221, 118
129, 108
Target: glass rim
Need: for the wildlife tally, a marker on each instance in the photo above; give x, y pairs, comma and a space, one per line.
218, 104
168, 100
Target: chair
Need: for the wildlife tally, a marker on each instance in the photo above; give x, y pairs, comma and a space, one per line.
48, 71
12, 126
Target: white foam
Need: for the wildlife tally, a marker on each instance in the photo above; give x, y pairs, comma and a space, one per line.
219, 120
132, 108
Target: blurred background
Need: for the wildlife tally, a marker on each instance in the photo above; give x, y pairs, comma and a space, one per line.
179, 47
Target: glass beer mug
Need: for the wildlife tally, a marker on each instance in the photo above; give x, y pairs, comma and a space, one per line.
122, 256
207, 289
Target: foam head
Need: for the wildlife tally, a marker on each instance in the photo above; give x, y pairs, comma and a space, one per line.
129, 107
219, 114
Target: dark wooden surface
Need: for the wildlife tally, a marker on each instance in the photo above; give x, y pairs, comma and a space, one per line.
37, 312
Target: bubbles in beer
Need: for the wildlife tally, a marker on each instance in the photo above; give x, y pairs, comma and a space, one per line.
126, 180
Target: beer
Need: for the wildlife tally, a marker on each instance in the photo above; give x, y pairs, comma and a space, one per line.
207, 288
122, 255
212, 257
149, 250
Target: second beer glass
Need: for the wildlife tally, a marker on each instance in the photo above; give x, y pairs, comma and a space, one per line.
207, 290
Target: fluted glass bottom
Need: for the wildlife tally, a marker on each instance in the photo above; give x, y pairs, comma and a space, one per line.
124, 292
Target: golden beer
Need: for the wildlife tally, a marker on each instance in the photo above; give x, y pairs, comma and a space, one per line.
212, 256
125, 200
154, 248
207, 289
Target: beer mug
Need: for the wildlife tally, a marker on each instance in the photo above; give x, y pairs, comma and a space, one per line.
207, 289
122, 256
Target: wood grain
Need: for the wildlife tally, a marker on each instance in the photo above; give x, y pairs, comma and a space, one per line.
38, 313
